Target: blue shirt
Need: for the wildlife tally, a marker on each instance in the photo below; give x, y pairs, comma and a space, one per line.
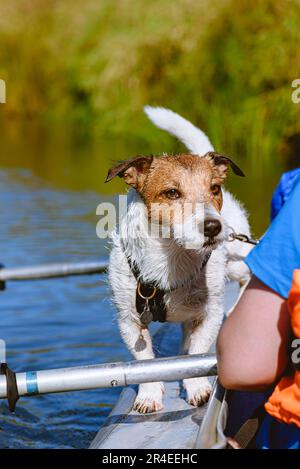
278, 253
283, 191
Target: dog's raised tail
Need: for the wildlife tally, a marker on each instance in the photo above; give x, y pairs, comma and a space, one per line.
192, 137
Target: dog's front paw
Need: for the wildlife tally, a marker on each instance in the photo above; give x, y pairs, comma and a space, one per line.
149, 398
198, 391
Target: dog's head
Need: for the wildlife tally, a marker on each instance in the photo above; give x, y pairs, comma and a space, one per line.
182, 194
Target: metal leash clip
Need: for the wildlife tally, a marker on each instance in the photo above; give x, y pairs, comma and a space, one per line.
242, 237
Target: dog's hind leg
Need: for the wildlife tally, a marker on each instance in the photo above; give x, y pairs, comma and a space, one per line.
238, 271
150, 395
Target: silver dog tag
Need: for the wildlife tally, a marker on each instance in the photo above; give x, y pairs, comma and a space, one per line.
146, 316
140, 344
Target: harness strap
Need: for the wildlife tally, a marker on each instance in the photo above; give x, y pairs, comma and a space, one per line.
156, 302
150, 297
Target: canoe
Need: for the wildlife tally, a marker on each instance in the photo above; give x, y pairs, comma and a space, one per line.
178, 425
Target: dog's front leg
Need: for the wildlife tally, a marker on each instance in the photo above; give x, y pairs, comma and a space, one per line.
150, 395
200, 335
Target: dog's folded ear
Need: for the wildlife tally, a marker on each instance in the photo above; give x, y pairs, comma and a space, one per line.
220, 159
133, 171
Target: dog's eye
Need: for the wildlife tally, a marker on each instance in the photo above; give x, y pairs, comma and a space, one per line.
172, 194
215, 188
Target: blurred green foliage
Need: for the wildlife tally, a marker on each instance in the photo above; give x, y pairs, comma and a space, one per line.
227, 65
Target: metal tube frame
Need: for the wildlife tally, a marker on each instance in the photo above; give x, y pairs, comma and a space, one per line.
112, 374
51, 271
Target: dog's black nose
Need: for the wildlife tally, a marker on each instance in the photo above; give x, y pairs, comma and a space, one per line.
212, 228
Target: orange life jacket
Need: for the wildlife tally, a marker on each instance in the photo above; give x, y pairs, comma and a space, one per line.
284, 403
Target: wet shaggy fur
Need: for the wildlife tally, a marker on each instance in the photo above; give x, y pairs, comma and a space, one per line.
194, 296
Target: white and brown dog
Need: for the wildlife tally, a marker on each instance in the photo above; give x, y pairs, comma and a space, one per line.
179, 277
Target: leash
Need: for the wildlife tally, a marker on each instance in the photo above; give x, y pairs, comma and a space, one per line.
149, 299
242, 237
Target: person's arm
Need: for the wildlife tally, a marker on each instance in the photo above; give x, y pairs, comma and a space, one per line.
253, 342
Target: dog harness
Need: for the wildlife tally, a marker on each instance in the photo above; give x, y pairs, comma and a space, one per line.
149, 298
